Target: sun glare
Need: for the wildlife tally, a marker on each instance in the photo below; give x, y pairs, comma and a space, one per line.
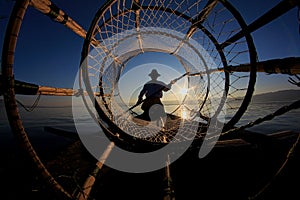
184, 114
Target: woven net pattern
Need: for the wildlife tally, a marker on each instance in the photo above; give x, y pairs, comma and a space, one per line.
191, 31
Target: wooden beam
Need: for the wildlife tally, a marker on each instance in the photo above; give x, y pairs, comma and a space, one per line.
55, 13
89, 183
290, 66
278, 10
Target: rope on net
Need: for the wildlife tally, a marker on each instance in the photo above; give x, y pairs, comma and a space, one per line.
192, 32
33, 106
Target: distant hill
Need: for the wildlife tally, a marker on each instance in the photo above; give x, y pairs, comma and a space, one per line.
283, 95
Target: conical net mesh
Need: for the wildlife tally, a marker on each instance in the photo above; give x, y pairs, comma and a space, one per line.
192, 32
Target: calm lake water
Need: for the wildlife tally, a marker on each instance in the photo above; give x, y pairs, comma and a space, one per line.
62, 117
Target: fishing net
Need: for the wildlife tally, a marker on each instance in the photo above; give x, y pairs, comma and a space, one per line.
196, 33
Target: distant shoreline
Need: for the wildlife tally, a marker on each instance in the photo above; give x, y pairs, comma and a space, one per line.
276, 96
281, 95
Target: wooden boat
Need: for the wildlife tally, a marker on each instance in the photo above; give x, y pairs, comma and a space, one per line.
237, 168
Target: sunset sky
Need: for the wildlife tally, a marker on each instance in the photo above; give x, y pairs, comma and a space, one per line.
49, 54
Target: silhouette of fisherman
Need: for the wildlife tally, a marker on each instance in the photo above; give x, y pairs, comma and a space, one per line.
153, 91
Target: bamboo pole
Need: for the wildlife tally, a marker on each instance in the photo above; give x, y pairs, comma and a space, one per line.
50, 9
281, 8
169, 192
44, 90
89, 183
26, 88
53, 91
290, 65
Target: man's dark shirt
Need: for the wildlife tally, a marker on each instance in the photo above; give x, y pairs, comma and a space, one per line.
154, 89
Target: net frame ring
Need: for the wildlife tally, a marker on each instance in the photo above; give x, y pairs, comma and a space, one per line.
108, 125
9, 95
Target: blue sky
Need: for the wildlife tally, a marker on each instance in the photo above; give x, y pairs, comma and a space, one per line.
49, 54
